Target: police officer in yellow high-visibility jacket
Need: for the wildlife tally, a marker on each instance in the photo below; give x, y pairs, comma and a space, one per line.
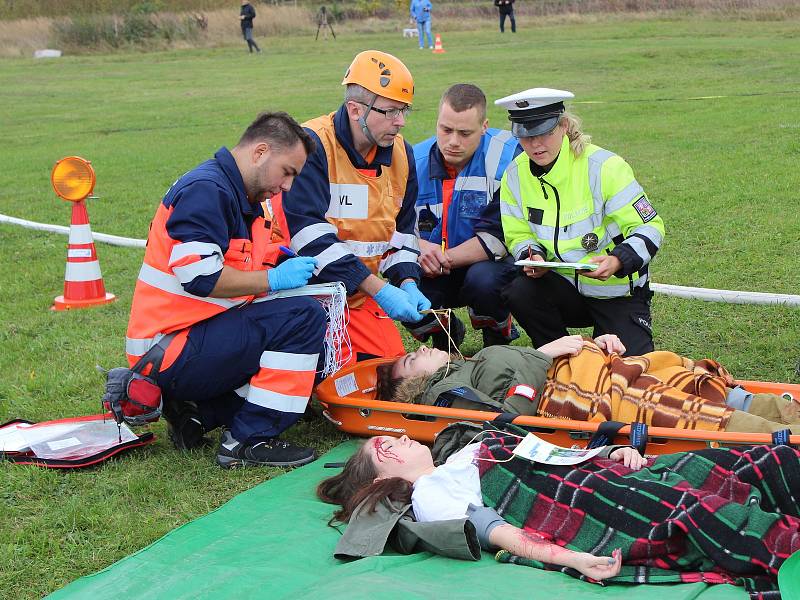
568, 201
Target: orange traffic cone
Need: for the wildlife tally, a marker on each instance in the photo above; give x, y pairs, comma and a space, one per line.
437, 45
83, 283
73, 180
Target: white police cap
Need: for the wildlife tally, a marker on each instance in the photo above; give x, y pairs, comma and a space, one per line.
535, 111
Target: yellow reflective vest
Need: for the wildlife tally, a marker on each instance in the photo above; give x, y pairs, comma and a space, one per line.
582, 207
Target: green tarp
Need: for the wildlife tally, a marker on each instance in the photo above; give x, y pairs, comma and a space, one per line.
272, 542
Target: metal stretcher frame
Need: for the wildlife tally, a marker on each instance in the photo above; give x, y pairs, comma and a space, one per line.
359, 413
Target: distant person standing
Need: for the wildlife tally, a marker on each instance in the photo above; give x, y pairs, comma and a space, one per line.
421, 13
322, 23
246, 16
506, 8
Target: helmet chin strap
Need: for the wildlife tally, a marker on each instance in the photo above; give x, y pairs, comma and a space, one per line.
362, 121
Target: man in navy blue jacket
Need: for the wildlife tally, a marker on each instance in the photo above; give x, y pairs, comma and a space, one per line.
233, 356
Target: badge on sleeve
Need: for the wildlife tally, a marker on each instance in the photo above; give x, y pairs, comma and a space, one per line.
645, 209
526, 391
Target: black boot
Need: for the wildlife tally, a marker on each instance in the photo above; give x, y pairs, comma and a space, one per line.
492, 337
185, 427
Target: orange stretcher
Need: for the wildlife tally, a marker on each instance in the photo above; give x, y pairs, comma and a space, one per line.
349, 402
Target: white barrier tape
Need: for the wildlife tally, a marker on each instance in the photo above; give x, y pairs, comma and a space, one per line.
114, 240
726, 296
678, 291
687, 98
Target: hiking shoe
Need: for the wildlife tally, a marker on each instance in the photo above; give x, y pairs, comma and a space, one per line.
270, 453
457, 332
492, 337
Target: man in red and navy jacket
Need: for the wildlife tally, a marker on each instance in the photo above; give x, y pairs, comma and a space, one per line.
237, 358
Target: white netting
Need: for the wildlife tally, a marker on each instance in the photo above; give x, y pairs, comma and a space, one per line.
333, 298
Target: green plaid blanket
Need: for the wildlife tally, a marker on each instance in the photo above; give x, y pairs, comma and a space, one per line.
713, 516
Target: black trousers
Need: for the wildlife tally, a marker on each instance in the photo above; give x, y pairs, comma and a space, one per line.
478, 286
503, 22
546, 306
247, 34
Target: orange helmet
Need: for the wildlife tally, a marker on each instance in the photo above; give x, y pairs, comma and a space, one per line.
382, 74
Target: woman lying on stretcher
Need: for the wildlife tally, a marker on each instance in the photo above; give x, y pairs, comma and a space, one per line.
584, 380
712, 515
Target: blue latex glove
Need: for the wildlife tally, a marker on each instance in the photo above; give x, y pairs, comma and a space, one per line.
291, 273
397, 304
417, 297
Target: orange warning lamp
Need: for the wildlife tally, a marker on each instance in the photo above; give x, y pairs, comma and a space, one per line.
73, 178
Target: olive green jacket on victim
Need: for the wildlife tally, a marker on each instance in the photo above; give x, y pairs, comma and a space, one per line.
369, 533
488, 381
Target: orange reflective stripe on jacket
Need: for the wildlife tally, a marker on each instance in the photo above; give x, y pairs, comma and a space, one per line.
160, 303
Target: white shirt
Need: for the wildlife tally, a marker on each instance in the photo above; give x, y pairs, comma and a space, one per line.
447, 491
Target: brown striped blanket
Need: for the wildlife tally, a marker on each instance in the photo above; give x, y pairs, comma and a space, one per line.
662, 389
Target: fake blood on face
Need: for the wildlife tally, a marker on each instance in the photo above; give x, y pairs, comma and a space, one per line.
384, 455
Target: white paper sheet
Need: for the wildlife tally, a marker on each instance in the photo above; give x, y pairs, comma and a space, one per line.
535, 449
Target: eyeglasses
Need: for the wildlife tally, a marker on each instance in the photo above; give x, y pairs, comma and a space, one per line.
390, 113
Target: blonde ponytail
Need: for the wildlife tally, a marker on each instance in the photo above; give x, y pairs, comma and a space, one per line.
572, 127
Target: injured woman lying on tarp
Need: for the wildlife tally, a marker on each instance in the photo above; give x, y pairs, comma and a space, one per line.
711, 515
587, 380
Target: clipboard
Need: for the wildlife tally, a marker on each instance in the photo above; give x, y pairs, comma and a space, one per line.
556, 265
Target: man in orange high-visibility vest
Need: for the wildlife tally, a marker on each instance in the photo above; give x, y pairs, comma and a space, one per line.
352, 207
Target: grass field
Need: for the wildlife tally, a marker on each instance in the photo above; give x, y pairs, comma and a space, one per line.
721, 170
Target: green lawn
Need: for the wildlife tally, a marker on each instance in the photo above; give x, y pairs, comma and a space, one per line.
722, 172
